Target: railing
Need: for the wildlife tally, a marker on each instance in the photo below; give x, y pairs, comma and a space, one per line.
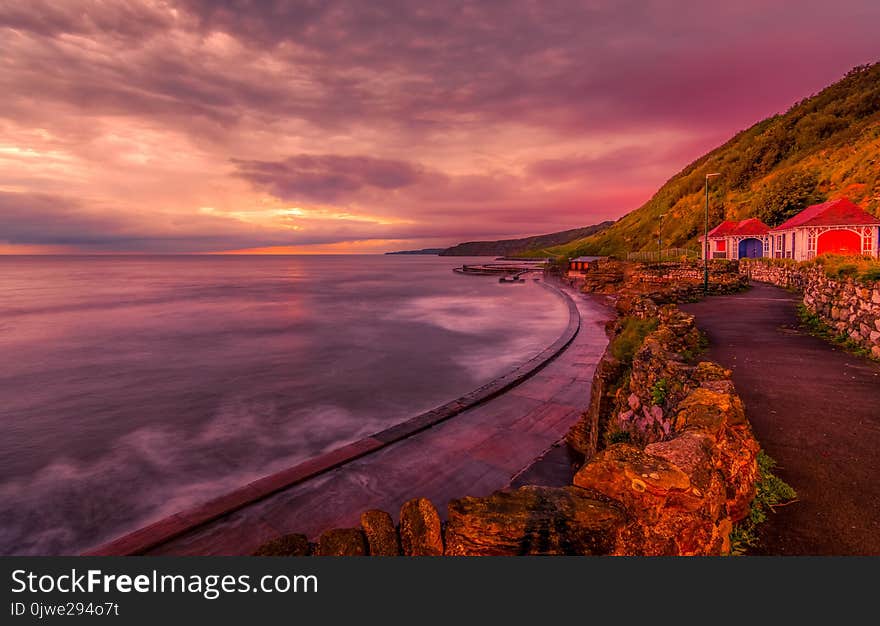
668, 254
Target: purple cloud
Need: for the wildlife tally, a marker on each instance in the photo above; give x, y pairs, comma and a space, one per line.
326, 177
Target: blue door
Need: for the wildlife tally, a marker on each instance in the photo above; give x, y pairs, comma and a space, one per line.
751, 248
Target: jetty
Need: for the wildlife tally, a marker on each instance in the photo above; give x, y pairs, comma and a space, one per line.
503, 269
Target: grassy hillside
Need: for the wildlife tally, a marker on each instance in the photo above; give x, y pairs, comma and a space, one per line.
536, 246
823, 147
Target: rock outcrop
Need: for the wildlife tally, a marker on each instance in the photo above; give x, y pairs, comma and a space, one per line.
534, 520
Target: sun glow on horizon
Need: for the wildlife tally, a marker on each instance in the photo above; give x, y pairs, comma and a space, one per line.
375, 246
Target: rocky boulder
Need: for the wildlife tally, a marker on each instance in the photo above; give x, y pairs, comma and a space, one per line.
380, 532
710, 411
294, 544
673, 492
420, 529
534, 520
342, 542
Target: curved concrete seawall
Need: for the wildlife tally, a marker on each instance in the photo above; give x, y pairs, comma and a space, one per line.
153, 537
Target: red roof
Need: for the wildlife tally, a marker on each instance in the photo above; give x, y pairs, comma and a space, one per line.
751, 226
723, 229
840, 212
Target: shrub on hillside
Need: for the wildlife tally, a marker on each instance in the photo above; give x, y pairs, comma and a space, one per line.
787, 195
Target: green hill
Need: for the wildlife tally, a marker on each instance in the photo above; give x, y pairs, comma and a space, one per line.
533, 246
825, 146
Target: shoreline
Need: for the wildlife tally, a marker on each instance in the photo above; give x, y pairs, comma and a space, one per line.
170, 527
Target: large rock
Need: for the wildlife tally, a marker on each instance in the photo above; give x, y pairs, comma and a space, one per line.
710, 411
626, 473
674, 494
584, 434
342, 542
708, 371
533, 520
737, 459
735, 450
289, 545
420, 529
381, 535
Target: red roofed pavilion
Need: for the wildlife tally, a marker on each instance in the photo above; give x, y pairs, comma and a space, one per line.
837, 226
749, 238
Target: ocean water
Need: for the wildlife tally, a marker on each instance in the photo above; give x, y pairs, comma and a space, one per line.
133, 387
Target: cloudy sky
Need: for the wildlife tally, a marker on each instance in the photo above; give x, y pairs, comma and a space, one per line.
364, 126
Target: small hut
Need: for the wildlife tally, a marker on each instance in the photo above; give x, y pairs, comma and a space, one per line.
747, 239
583, 263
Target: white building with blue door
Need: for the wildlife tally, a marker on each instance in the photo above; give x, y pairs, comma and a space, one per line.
747, 239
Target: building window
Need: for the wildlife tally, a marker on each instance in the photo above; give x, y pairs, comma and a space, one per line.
721, 245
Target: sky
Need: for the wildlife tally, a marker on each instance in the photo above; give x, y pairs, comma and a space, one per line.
189, 126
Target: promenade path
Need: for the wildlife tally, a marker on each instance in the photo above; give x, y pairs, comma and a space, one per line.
815, 409
473, 453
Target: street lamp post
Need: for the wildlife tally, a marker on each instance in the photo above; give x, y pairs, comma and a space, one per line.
706, 237
660, 239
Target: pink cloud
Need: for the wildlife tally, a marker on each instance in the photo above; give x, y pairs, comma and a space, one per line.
383, 120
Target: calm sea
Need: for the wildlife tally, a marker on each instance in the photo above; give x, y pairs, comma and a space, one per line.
132, 387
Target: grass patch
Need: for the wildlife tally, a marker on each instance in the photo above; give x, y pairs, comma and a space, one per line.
633, 331
659, 391
817, 327
771, 492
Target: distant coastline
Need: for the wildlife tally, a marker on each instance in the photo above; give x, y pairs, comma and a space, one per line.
525, 247
429, 251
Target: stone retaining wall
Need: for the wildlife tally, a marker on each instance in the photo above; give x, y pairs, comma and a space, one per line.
664, 282
851, 308
681, 271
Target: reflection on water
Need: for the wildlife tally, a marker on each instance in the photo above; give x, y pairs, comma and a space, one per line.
132, 387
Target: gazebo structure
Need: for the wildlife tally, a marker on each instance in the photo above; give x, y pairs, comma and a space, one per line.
837, 226
747, 239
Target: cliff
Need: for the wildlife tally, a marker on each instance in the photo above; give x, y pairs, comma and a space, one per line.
532, 246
